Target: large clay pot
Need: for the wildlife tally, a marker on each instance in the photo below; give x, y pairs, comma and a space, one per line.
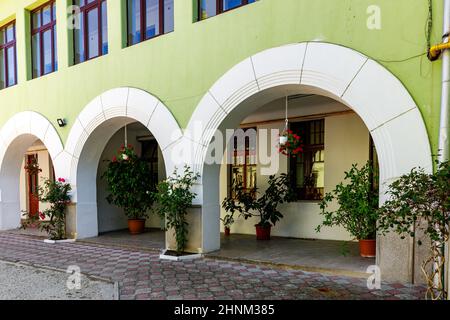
136, 226
367, 248
263, 233
227, 232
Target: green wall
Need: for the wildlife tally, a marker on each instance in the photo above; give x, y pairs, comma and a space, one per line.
181, 66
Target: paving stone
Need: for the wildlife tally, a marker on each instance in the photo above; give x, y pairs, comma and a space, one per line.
142, 275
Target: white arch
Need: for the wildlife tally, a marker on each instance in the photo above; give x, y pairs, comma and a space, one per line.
16, 136
375, 94
98, 121
359, 82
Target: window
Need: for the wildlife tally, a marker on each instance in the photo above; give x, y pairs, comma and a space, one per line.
8, 64
43, 39
150, 155
307, 169
148, 19
209, 8
373, 158
243, 161
91, 38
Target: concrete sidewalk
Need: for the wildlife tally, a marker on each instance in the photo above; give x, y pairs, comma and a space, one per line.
24, 282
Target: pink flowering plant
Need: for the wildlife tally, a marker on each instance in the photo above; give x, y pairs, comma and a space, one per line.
53, 219
290, 144
129, 183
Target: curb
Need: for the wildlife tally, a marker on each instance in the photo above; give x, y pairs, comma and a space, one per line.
334, 272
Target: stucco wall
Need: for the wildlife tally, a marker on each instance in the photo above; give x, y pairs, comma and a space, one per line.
346, 142
181, 66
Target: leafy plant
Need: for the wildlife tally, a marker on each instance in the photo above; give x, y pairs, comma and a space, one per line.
266, 206
56, 193
357, 204
128, 179
32, 166
421, 201
227, 220
173, 198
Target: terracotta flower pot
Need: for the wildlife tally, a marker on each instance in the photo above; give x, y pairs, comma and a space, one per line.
227, 232
367, 248
262, 233
136, 226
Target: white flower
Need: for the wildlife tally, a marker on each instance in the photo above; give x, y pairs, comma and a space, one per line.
124, 157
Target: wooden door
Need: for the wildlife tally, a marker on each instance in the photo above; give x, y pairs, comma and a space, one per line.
33, 180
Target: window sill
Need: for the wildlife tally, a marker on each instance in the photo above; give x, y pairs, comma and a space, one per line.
44, 75
8, 87
89, 60
149, 39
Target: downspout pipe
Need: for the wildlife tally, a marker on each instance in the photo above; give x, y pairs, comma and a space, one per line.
443, 151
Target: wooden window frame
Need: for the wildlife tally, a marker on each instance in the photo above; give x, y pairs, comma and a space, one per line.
373, 160
293, 162
245, 166
143, 21
84, 11
219, 8
154, 159
5, 47
41, 30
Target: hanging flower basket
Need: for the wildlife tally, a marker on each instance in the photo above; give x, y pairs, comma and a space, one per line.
32, 167
290, 144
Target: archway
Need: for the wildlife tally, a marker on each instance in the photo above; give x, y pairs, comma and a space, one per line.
94, 128
17, 135
360, 83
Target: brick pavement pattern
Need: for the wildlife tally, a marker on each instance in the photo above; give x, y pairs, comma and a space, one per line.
142, 275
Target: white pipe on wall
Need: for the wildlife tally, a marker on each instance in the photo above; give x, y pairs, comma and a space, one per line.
445, 113
444, 153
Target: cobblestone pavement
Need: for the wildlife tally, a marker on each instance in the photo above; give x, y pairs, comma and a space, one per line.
141, 275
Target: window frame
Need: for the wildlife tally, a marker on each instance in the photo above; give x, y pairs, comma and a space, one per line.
152, 145
219, 8
306, 148
143, 20
374, 162
5, 47
84, 11
245, 166
41, 30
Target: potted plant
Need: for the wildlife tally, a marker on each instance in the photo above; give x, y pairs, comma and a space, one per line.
53, 219
128, 178
265, 207
227, 221
173, 198
357, 209
419, 201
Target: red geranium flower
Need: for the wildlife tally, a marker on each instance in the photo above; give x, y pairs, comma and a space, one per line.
293, 144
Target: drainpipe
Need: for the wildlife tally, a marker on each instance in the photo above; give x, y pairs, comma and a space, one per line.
434, 53
445, 113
